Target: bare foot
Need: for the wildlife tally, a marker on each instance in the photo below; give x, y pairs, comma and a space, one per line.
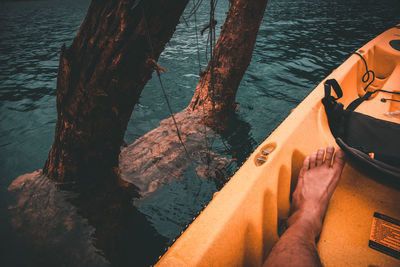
317, 181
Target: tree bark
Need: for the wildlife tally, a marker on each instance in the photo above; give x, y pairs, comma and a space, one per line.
149, 163
216, 92
100, 78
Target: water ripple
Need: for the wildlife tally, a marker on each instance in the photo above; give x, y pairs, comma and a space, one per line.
298, 44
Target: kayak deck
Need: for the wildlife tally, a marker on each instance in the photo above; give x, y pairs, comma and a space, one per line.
240, 225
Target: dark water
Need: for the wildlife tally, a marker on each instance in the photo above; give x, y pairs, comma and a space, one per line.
299, 43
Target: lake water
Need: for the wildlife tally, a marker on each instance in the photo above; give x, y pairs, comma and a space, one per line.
299, 43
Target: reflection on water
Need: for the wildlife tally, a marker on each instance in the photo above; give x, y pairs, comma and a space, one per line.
84, 224
299, 43
45, 217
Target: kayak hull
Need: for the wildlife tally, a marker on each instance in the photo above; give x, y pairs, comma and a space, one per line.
242, 222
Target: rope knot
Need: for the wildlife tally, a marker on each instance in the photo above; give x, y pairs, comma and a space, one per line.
155, 66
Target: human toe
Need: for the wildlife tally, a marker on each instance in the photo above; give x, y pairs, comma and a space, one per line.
328, 155
306, 163
313, 160
320, 156
305, 167
339, 160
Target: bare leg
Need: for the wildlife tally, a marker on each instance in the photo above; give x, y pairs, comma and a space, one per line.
317, 181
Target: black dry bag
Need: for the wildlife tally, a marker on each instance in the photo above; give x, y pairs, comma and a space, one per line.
373, 143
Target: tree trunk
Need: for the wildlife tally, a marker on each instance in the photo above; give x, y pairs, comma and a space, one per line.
157, 157
216, 91
100, 78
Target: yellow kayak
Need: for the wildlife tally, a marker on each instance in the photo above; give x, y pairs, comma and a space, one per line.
241, 224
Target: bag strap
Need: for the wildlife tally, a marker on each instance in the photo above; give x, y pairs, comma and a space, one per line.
356, 102
329, 84
334, 110
329, 100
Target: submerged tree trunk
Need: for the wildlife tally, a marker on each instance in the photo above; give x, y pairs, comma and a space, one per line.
100, 78
216, 91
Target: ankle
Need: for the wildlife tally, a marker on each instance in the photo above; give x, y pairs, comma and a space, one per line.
309, 220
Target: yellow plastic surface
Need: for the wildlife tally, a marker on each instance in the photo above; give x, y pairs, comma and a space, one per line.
240, 225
